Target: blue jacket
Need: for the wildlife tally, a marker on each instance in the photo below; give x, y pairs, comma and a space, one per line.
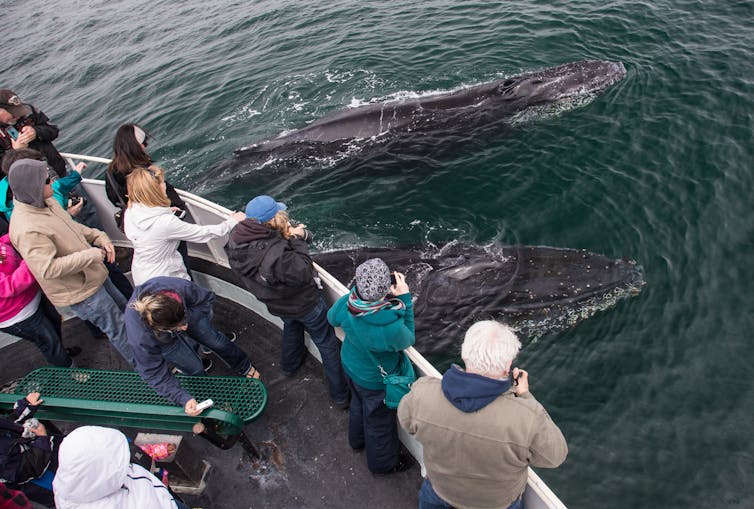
146, 343
469, 392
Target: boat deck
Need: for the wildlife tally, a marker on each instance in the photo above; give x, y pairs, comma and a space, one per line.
306, 461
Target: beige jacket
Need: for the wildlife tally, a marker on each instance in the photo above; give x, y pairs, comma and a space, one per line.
480, 459
59, 251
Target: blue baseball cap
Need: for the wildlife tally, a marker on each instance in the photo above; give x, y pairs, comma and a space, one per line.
263, 208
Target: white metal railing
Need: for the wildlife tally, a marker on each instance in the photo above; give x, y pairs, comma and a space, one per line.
537, 495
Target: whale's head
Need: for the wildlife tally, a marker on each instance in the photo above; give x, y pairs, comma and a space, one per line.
558, 89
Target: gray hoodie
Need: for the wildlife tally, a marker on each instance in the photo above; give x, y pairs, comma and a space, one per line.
26, 178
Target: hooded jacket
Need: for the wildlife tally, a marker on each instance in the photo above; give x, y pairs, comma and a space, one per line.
155, 233
95, 472
57, 250
278, 271
17, 284
46, 133
146, 343
479, 438
380, 336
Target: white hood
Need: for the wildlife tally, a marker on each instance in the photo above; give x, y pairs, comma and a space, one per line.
95, 472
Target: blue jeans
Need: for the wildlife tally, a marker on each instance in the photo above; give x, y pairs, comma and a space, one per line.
372, 425
294, 350
428, 499
105, 310
43, 329
182, 354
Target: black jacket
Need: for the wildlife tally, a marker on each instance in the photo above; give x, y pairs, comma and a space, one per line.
46, 133
277, 271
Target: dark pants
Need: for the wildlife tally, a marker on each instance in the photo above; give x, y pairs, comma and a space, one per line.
322, 334
43, 329
429, 499
372, 425
182, 353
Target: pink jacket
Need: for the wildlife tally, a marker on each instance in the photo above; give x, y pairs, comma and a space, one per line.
17, 284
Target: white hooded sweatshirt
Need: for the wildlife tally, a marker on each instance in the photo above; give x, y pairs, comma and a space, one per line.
94, 471
155, 233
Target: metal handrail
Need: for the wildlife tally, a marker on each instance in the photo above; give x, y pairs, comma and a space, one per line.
536, 487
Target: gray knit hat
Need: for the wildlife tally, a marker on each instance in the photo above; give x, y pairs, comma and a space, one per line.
372, 279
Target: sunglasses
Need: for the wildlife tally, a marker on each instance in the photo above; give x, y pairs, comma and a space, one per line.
47, 180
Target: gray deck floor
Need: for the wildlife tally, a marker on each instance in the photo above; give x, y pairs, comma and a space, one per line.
306, 463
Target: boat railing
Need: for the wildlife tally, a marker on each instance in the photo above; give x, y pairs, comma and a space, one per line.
537, 496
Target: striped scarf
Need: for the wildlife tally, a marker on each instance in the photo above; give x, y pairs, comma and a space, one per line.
358, 307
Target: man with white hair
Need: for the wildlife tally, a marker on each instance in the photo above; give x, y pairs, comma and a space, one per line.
480, 427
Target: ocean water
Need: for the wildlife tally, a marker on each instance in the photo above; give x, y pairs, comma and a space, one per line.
655, 396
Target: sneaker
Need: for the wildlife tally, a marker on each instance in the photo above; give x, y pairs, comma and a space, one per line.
343, 405
207, 366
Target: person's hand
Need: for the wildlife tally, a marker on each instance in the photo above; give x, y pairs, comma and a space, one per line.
299, 230
39, 430
27, 135
400, 287
520, 381
190, 408
238, 216
74, 210
18, 143
80, 167
33, 399
109, 251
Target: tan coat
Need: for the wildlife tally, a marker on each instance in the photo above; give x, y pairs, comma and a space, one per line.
480, 459
59, 251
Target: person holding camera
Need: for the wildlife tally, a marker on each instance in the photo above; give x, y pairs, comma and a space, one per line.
66, 258
24, 126
480, 427
155, 231
62, 187
272, 259
378, 328
28, 451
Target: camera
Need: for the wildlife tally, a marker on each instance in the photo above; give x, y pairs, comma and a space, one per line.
76, 199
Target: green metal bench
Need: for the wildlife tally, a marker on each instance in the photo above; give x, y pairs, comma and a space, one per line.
122, 398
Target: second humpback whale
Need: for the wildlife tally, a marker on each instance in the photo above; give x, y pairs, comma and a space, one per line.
534, 289
554, 89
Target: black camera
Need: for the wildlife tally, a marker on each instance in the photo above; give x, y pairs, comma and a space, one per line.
75, 199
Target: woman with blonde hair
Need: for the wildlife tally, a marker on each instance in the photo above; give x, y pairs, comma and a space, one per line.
163, 319
272, 259
155, 231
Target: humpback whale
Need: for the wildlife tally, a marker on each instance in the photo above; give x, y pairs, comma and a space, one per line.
534, 289
554, 89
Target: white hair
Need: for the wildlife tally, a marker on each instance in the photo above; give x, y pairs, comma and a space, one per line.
489, 347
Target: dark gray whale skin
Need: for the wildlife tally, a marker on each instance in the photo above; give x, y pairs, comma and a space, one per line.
535, 289
488, 102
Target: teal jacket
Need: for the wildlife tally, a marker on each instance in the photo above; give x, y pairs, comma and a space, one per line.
60, 189
384, 335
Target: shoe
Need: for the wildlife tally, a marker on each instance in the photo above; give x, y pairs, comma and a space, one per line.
207, 366
73, 351
405, 461
343, 405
